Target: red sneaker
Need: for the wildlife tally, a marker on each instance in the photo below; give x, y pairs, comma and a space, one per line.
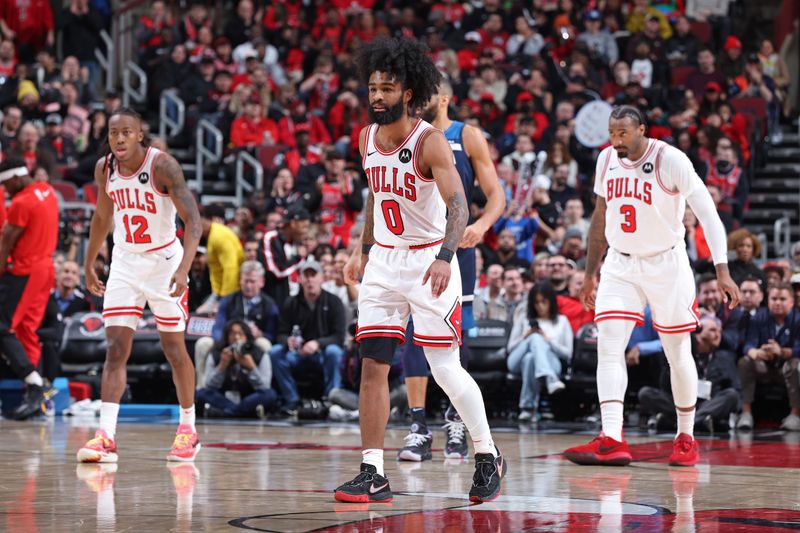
602, 451
185, 446
684, 451
100, 449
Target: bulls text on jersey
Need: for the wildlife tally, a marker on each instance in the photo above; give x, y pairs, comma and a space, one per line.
629, 187
391, 182
129, 198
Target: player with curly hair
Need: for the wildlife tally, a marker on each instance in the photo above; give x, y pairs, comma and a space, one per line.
415, 217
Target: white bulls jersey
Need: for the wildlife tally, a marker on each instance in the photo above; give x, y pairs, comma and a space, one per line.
645, 200
408, 211
144, 218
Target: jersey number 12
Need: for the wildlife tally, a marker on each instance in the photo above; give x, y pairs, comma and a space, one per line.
139, 234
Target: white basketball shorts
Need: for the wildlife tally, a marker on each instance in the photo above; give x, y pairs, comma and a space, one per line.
392, 289
665, 281
139, 278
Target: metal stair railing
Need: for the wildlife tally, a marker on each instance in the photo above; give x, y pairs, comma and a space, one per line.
206, 134
243, 186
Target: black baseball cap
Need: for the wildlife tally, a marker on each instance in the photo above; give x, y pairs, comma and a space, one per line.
296, 213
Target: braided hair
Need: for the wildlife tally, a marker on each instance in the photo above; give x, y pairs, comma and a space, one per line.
633, 113
108, 154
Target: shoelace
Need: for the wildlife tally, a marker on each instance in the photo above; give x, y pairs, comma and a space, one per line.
483, 473
455, 431
182, 440
361, 478
414, 439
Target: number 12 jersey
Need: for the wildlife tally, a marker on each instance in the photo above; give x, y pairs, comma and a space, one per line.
645, 199
408, 210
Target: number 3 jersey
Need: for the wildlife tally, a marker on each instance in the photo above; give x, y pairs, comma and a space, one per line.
646, 199
408, 210
144, 218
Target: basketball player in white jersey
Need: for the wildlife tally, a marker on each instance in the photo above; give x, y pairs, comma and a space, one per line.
642, 187
416, 213
140, 192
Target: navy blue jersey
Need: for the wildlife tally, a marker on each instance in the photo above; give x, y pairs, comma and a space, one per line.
453, 134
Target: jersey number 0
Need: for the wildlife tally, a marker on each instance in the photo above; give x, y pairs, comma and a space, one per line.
392, 216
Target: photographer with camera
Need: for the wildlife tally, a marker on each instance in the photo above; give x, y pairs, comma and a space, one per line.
237, 376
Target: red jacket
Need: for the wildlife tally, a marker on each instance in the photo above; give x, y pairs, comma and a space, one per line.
573, 309
246, 132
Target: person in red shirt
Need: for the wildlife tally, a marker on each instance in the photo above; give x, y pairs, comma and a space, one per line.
29, 24
571, 307
253, 128
26, 276
299, 117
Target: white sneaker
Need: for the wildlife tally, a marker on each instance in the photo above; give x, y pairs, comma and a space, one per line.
555, 386
791, 423
745, 421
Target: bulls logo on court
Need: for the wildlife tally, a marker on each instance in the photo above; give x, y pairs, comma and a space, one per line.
647, 167
405, 155
143, 177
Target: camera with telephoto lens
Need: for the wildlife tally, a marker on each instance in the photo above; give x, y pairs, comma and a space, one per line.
237, 347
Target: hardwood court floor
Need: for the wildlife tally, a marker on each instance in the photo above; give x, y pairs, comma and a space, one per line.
280, 477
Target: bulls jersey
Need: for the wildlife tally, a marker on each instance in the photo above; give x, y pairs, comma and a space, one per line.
408, 210
645, 199
144, 218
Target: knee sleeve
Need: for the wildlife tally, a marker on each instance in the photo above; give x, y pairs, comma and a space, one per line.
612, 374
682, 369
447, 370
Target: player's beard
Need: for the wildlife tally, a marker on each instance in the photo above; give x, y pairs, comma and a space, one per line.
429, 113
392, 114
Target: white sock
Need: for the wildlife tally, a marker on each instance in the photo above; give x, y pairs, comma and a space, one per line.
187, 416
685, 422
464, 394
611, 415
34, 379
374, 457
683, 376
108, 418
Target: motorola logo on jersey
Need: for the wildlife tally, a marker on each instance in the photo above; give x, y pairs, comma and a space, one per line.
405, 155
647, 167
629, 188
144, 177
379, 182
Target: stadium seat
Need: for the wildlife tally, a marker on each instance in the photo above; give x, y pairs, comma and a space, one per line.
66, 190
90, 193
271, 157
754, 106
679, 76
702, 30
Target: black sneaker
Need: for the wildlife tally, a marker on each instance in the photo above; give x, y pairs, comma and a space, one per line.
419, 442
456, 445
31, 403
366, 487
489, 471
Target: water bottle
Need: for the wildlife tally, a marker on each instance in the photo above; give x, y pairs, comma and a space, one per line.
297, 335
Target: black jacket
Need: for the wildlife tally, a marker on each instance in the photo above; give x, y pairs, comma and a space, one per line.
324, 323
279, 266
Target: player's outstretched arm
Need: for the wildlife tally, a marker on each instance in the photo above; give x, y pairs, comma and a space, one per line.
102, 222
597, 246
478, 150
169, 175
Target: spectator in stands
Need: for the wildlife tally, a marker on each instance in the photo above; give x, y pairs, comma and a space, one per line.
572, 246
76, 117
706, 72
151, 28
28, 97
304, 153
320, 317
548, 212
29, 150
80, 25
560, 191
348, 294
642, 12
511, 304
251, 250
747, 248
754, 83
525, 43
794, 257
732, 61
68, 295
298, 120
570, 305
573, 218
682, 47
492, 293
63, 148
558, 155
539, 345
282, 265
252, 128
225, 255
338, 195
8, 58
172, 72
752, 296
559, 272
600, 43
29, 24
718, 389
237, 365
540, 268
12, 120
197, 87
191, 23
709, 300
199, 280
508, 252
284, 194
731, 179
772, 354
774, 273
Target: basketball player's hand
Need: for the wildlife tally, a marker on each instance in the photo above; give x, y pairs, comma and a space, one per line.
178, 283
93, 284
439, 274
588, 293
354, 268
728, 288
473, 235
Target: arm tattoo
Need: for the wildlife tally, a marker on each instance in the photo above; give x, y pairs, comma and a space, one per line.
367, 236
597, 243
457, 215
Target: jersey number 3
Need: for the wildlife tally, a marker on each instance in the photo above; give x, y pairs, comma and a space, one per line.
139, 234
391, 214
629, 212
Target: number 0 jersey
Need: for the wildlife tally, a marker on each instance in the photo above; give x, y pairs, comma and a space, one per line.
408, 210
646, 199
144, 218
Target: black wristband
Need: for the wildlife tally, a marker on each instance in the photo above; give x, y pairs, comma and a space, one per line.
365, 248
445, 255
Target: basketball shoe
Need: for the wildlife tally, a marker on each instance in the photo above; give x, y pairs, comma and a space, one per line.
185, 446
455, 429
602, 451
100, 449
419, 442
489, 472
368, 486
684, 451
